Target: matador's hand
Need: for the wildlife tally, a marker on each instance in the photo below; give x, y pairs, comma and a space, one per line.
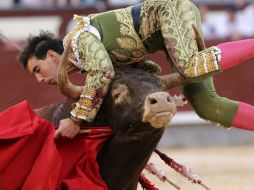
67, 128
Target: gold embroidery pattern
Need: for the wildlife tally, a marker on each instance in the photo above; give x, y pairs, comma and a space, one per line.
80, 24
95, 60
131, 47
174, 18
202, 64
84, 114
87, 108
98, 66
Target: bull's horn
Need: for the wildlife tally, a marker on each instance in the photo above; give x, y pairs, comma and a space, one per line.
199, 39
65, 85
172, 80
175, 79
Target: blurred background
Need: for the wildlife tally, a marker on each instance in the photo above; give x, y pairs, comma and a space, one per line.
222, 20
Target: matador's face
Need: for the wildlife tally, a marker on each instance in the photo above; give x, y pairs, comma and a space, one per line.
44, 70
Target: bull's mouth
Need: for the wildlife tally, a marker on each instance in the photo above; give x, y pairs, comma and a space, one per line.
161, 119
165, 113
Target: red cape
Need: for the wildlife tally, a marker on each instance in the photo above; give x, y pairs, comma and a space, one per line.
30, 157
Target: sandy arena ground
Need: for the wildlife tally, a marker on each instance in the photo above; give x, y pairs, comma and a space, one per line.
220, 168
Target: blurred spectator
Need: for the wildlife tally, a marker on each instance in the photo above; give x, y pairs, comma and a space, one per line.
207, 26
215, 24
89, 3
226, 24
57, 3
234, 32
239, 4
77, 3
239, 21
64, 3
121, 3
245, 21
33, 3
231, 29
234, 23
6, 4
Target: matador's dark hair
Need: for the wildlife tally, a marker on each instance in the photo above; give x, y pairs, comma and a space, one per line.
38, 46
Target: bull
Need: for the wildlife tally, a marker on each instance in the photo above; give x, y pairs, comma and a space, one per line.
137, 107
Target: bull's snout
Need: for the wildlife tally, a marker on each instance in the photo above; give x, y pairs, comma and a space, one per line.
159, 109
158, 99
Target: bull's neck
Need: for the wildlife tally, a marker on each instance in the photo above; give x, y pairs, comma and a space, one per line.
121, 160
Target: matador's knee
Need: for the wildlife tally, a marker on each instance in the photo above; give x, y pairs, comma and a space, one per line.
209, 105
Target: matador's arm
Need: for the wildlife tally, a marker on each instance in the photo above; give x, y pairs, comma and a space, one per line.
100, 72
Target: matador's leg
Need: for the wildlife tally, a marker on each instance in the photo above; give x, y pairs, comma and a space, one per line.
176, 19
210, 106
202, 95
176, 25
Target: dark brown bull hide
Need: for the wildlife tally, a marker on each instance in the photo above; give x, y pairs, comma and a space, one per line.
124, 156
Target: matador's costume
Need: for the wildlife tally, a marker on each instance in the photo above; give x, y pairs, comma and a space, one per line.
126, 36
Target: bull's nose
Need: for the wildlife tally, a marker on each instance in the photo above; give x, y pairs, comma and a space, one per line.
158, 98
159, 109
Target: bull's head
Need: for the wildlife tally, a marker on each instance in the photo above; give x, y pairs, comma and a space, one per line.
143, 94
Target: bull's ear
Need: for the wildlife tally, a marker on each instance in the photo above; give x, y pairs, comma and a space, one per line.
120, 94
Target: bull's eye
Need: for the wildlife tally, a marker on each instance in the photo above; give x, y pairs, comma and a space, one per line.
152, 101
116, 95
120, 94
168, 99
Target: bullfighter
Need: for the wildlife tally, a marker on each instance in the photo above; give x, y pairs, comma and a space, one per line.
127, 36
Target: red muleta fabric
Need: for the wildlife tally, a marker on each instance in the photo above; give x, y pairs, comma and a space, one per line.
30, 157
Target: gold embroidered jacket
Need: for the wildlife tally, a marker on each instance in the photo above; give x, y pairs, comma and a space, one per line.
111, 37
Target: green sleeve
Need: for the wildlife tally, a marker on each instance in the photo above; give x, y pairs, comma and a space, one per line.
100, 72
